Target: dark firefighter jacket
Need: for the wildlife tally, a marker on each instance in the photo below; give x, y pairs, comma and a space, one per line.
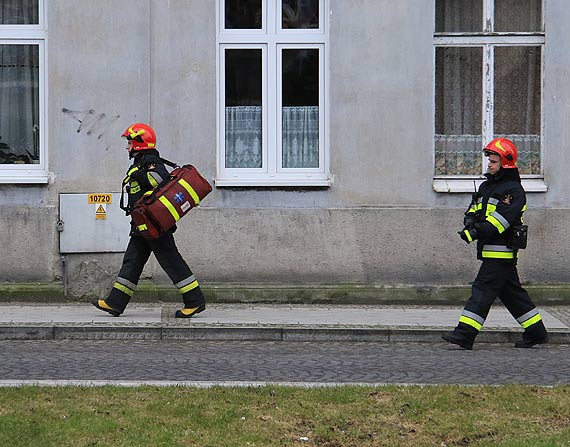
495, 209
146, 172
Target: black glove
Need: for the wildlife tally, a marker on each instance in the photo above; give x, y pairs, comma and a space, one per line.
468, 234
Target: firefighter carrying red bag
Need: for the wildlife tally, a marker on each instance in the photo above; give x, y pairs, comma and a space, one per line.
146, 173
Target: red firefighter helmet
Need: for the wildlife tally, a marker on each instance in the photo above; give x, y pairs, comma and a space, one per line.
505, 149
142, 136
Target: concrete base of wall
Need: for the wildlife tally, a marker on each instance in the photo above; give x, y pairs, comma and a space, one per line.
298, 248
299, 294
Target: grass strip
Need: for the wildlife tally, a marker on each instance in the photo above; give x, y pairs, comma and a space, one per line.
394, 416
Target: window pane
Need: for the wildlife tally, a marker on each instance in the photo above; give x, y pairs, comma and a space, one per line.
243, 14
19, 103
300, 14
300, 98
517, 102
459, 16
518, 15
243, 99
18, 12
458, 109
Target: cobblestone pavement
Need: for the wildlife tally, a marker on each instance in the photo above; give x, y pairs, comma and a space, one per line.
250, 361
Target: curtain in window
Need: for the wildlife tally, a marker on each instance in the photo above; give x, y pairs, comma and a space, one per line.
19, 104
517, 109
301, 137
459, 16
458, 139
244, 137
19, 12
516, 85
19, 88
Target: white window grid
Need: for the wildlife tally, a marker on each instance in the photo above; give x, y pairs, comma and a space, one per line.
271, 38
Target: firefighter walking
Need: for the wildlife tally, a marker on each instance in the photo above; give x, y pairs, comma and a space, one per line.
494, 220
147, 172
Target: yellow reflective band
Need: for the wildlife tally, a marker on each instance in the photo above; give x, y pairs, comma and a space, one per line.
190, 190
148, 193
498, 254
142, 227
170, 208
123, 289
189, 287
129, 173
531, 321
490, 209
135, 187
498, 225
523, 209
469, 238
471, 322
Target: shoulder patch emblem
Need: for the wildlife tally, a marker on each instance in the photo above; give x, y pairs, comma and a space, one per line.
507, 199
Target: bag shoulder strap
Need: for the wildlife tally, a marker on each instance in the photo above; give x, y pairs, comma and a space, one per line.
170, 163
122, 202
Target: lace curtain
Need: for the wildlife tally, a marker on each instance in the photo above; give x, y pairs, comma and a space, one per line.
469, 160
301, 137
244, 137
19, 89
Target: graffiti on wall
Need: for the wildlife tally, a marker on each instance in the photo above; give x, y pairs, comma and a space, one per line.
90, 122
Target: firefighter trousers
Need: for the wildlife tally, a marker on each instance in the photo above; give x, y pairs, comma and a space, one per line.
498, 279
167, 255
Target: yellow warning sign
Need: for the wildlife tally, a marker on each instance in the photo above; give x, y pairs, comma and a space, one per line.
101, 212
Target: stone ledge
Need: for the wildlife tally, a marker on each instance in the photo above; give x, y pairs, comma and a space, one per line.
558, 294
253, 333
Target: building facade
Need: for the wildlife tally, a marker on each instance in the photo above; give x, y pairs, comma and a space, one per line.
343, 138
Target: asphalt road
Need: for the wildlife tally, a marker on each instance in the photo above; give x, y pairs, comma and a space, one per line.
307, 362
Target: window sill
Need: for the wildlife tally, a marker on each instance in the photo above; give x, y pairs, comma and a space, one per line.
40, 177
222, 182
465, 185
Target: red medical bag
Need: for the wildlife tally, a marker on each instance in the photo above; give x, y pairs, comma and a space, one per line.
155, 213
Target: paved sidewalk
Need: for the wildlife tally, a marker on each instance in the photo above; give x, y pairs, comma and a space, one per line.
263, 322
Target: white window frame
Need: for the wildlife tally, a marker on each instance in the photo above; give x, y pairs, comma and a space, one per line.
30, 35
271, 39
487, 40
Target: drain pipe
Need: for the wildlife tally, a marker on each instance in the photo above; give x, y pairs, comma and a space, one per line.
63, 259
63, 265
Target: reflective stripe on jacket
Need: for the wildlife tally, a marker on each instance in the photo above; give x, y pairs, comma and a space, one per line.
498, 205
